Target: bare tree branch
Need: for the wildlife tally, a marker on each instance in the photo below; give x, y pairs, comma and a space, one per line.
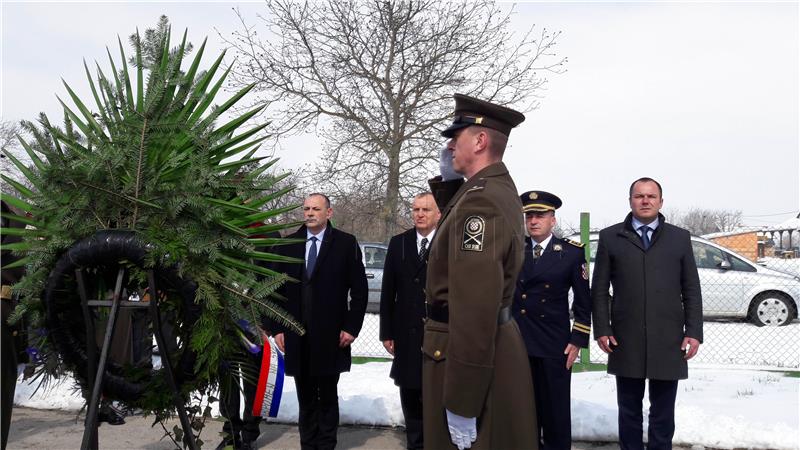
375, 80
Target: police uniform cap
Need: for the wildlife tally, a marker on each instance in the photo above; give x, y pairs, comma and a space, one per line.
472, 111
539, 201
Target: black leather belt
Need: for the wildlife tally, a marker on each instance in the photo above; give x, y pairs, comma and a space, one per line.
440, 313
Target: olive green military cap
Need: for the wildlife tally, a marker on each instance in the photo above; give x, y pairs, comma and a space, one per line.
472, 111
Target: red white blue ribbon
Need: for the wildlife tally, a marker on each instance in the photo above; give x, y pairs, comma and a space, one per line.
270, 382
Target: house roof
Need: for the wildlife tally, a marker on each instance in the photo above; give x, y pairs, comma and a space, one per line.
789, 224
735, 232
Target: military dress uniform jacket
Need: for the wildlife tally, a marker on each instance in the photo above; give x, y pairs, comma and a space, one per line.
656, 301
339, 270
472, 366
541, 301
403, 308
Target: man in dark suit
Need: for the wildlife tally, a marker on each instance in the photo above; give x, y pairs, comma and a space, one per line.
332, 268
552, 267
653, 324
403, 310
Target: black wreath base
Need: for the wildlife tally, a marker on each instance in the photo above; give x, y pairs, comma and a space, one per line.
105, 251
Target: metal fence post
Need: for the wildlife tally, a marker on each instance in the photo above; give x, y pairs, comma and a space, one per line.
585, 357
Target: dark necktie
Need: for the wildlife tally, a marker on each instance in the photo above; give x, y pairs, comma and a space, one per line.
423, 249
537, 251
312, 256
645, 238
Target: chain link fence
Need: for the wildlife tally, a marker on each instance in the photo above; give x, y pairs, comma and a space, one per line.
750, 281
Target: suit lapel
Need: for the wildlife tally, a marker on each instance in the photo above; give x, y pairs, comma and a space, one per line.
527, 265
627, 232
410, 249
297, 250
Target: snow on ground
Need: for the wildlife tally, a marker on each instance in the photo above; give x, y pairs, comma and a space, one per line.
720, 408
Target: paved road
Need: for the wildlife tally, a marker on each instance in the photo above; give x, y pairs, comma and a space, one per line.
49, 429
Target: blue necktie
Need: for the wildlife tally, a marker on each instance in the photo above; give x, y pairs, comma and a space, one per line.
645, 238
312, 256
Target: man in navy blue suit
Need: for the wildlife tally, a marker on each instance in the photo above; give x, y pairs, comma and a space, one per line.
332, 272
552, 267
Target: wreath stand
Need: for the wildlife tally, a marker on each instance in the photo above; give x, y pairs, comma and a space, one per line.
96, 367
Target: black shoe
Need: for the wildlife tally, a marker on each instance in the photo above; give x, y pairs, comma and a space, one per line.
248, 445
109, 415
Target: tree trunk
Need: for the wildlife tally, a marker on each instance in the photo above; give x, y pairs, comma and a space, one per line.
389, 210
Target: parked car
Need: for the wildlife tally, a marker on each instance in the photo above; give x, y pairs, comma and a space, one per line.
732, 286
374, 255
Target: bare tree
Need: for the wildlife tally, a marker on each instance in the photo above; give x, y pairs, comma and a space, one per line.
375, 79
701, 221
10, 144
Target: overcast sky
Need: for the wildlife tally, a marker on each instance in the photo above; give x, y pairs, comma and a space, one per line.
702, 97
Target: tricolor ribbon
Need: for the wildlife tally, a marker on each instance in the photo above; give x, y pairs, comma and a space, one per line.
270, 382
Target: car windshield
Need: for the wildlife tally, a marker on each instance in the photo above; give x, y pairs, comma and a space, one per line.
374, 257
706, 256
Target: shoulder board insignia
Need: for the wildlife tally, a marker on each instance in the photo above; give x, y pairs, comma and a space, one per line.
575, 243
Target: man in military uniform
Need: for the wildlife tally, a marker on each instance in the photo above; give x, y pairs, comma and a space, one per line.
541, 308
476, 385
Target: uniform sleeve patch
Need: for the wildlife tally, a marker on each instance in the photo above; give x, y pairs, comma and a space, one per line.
474, 228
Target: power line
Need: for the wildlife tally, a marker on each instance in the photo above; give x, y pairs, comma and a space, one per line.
776, 214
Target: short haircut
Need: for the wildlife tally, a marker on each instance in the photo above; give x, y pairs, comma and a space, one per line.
497, 141
423, 194
645, 180
327, 200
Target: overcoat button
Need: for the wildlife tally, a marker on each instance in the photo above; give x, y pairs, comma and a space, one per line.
542, 316
416, 280
546, 286
543, 300
437, 354
524, 296
522, 311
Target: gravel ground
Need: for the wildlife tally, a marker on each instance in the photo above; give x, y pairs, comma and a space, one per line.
52, 429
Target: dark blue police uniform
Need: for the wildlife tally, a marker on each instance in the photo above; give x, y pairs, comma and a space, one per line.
541, 309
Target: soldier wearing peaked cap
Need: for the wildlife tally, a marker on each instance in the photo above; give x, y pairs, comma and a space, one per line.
475, 376
541, 308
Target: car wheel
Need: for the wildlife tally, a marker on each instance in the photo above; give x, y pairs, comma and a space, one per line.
772, 309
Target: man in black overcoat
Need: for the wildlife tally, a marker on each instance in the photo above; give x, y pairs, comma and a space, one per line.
333, 268
653, 323
403, 310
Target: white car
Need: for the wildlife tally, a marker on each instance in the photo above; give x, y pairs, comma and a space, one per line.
732, 286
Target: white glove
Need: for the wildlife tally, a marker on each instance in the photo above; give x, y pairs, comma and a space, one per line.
463, 430
446, 165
